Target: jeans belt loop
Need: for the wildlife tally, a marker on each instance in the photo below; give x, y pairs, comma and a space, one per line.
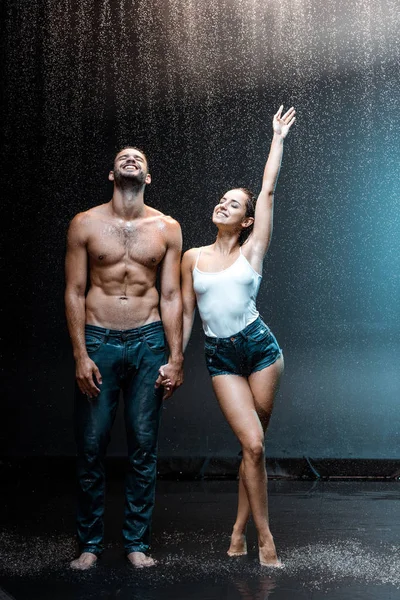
107, 333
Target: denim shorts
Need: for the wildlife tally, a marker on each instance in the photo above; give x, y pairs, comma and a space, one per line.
249, 350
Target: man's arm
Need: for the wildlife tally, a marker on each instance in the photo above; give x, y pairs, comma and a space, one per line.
188, 295
76, 276
171, 310
263, 218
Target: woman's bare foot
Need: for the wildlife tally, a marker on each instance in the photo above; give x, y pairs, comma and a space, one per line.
267, 553
85, 561
140, 560
238, 545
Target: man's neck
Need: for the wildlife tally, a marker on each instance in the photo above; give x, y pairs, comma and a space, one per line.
128, 202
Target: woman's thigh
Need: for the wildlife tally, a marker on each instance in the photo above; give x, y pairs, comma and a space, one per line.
237, 404
264, 385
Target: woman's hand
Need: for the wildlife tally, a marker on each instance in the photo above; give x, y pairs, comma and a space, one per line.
281, 124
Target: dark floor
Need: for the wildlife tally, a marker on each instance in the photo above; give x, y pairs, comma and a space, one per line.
338, 540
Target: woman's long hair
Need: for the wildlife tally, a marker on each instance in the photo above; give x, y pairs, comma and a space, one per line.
251, 200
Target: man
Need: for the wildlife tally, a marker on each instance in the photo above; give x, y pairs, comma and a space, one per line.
119, 345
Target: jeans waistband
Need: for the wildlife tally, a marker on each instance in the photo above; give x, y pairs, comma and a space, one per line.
240, 334
126, 334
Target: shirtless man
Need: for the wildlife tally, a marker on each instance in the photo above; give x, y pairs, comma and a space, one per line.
119, 345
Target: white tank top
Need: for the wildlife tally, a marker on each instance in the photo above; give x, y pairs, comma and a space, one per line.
227, 299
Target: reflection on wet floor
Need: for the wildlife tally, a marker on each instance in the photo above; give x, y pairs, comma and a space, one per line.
337, 540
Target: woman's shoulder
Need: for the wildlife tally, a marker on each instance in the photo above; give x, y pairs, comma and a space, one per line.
195, 251
190, 256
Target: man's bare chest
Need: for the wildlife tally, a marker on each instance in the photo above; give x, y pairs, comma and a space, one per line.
143, 243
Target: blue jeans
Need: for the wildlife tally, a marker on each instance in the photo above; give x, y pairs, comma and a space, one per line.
252, 349
128, 361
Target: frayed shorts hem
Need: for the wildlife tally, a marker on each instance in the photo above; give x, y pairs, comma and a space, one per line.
259, 367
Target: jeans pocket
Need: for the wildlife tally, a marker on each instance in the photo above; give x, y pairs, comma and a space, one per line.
155, 341
93, 342
261, 334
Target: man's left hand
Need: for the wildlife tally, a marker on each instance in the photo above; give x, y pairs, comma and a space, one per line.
170, 377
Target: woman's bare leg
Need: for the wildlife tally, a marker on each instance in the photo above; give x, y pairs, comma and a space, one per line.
263, 407
241, 410
264, 385
238, 545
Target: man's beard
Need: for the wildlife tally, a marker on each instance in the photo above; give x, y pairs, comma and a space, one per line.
129, 180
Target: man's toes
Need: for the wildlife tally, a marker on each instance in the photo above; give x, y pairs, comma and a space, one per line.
85, 561
140, 560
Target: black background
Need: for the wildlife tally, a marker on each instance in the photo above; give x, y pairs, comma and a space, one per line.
196, 84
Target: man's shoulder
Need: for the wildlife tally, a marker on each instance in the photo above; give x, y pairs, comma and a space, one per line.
154, 213
87, 217
166, 221
171, 223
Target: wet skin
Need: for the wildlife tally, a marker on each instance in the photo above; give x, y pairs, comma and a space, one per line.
246, 402
124, 257
123, 245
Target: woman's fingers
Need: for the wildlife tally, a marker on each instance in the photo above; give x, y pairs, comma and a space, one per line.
289, 114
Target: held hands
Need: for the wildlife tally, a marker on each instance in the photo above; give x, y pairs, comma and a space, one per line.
87, 375
281, 124
170, 377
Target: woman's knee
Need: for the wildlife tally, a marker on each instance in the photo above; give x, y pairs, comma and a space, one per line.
254, 449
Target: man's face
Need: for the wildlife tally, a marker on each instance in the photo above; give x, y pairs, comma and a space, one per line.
130, 165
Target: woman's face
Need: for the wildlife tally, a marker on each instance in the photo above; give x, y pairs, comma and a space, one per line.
230, 210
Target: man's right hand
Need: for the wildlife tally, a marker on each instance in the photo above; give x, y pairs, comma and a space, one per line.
87, 375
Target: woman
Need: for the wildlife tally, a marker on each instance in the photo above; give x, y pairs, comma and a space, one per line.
243, 357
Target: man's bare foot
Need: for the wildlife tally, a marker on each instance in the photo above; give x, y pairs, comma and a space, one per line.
267, 554
238, 545
140, 560
85, 561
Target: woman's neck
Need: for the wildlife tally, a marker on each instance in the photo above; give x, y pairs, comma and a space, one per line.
226, 243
